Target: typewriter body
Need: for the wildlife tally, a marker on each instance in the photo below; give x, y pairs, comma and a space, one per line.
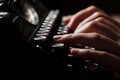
36, 25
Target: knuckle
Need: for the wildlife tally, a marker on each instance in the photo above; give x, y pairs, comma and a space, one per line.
89, 53
98, 14
92, 23
95, 36
99, 19
65, 36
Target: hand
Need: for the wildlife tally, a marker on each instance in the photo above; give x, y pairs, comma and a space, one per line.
94, 28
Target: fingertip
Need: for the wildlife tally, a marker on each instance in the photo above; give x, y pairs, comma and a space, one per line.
66, 19
57, 37
75, 51
70, 27
83, 53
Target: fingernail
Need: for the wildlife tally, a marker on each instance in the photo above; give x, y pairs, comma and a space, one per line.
69, 26
64, 18
75, 51
57, 37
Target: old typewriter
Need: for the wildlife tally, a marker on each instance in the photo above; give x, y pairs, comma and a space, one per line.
37, 25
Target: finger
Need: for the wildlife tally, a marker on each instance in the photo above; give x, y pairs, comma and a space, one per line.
104, 58
80, 16
66, 19
100, 17
98, 27
108, 22
95, 40
94, 16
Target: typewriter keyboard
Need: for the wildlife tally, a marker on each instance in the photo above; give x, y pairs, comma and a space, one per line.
43, 40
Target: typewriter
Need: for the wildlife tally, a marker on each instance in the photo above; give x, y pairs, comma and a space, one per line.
37, 25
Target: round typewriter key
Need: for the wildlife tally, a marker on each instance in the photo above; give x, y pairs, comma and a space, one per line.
69, 55
59, 33
69, 65
91, 65
64, 32
60, 29
43, 31
44, 24
49, 25
45, 28
58, 45
41, 38
51, 22
43, 34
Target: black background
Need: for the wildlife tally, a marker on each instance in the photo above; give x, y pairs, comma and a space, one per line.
72, 6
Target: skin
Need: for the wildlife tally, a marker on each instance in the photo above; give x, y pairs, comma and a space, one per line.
93, 27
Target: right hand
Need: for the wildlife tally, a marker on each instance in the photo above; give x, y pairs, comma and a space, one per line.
94, 28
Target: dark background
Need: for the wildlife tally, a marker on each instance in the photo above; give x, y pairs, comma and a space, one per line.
72, 6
